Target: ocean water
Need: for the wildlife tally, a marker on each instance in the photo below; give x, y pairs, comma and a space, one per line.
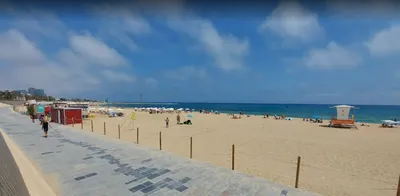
364, 113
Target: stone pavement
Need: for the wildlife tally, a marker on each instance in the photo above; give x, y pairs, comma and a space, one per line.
91, 164
11, 182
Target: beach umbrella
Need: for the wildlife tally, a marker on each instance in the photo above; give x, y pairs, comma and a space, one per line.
389, 122
187, 109
119, 109
315, 117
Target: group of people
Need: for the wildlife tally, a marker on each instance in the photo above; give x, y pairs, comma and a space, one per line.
178, 121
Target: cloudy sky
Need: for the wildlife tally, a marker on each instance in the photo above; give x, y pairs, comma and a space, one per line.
283, 52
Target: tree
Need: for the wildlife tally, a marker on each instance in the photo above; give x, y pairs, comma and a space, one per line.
30, 110
51, 98
8, 95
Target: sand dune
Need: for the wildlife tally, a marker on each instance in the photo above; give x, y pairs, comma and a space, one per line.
334, 161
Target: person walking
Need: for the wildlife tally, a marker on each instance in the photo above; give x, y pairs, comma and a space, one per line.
166, 122
45, 127
33, 118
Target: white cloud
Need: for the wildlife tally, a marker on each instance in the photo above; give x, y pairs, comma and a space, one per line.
40, 22
26, 66
186, 72
291, 20
121, 23
96, 51
385, 42
227, 50
123, 18
334, 56
151, 82
118, 77
16, 48
69, 57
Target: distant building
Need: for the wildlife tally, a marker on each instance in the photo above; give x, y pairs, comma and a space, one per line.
40, 92
22, 92
36, 92
32, 91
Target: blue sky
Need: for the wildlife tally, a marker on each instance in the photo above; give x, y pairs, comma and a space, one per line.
283, 52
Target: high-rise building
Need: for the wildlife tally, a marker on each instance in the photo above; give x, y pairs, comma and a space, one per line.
36, 92
32, 91
40, 92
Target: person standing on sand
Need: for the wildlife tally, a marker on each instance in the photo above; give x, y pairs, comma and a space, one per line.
45, 127
166, 122
178, 119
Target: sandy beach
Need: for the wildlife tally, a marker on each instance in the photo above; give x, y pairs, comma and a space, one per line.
334, 161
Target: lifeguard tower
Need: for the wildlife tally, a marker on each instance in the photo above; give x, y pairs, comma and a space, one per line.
342, 118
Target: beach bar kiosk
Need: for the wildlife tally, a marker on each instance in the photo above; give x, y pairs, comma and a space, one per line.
343, 118
66, 116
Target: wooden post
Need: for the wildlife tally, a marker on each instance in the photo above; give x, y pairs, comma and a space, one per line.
191, 147
398, 187
233, 157
296, 185
91, 123
104, 128
82, 124
137, 136
160, 142
119, 131
73, 122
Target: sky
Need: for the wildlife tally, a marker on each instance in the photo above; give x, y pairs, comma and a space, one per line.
177, 51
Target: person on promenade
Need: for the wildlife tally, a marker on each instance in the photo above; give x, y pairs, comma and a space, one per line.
41, 119
33, 118
166, 122
45, 127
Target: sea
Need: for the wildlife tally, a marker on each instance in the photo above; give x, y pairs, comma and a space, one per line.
362, 113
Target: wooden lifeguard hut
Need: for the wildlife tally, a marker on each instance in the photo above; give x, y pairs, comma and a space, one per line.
343, 118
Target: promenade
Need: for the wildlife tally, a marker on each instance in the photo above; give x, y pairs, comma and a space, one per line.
11, 182
78, 163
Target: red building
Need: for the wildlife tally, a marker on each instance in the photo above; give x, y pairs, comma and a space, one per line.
66, 116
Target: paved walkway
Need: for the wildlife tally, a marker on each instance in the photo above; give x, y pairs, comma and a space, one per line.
90, 164
11, 182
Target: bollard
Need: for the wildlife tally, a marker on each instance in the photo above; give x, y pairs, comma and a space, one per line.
82, 124
104, 128
137, 136
233, 157
296, 185
91, 123
119, 131
191, 147
160, 141
73, 122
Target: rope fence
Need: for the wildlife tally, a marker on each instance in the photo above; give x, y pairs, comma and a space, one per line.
231, 155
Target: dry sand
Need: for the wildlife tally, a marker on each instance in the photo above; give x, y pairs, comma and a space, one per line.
334, 161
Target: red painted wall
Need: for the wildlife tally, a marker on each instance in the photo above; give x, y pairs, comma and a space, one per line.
73, 116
